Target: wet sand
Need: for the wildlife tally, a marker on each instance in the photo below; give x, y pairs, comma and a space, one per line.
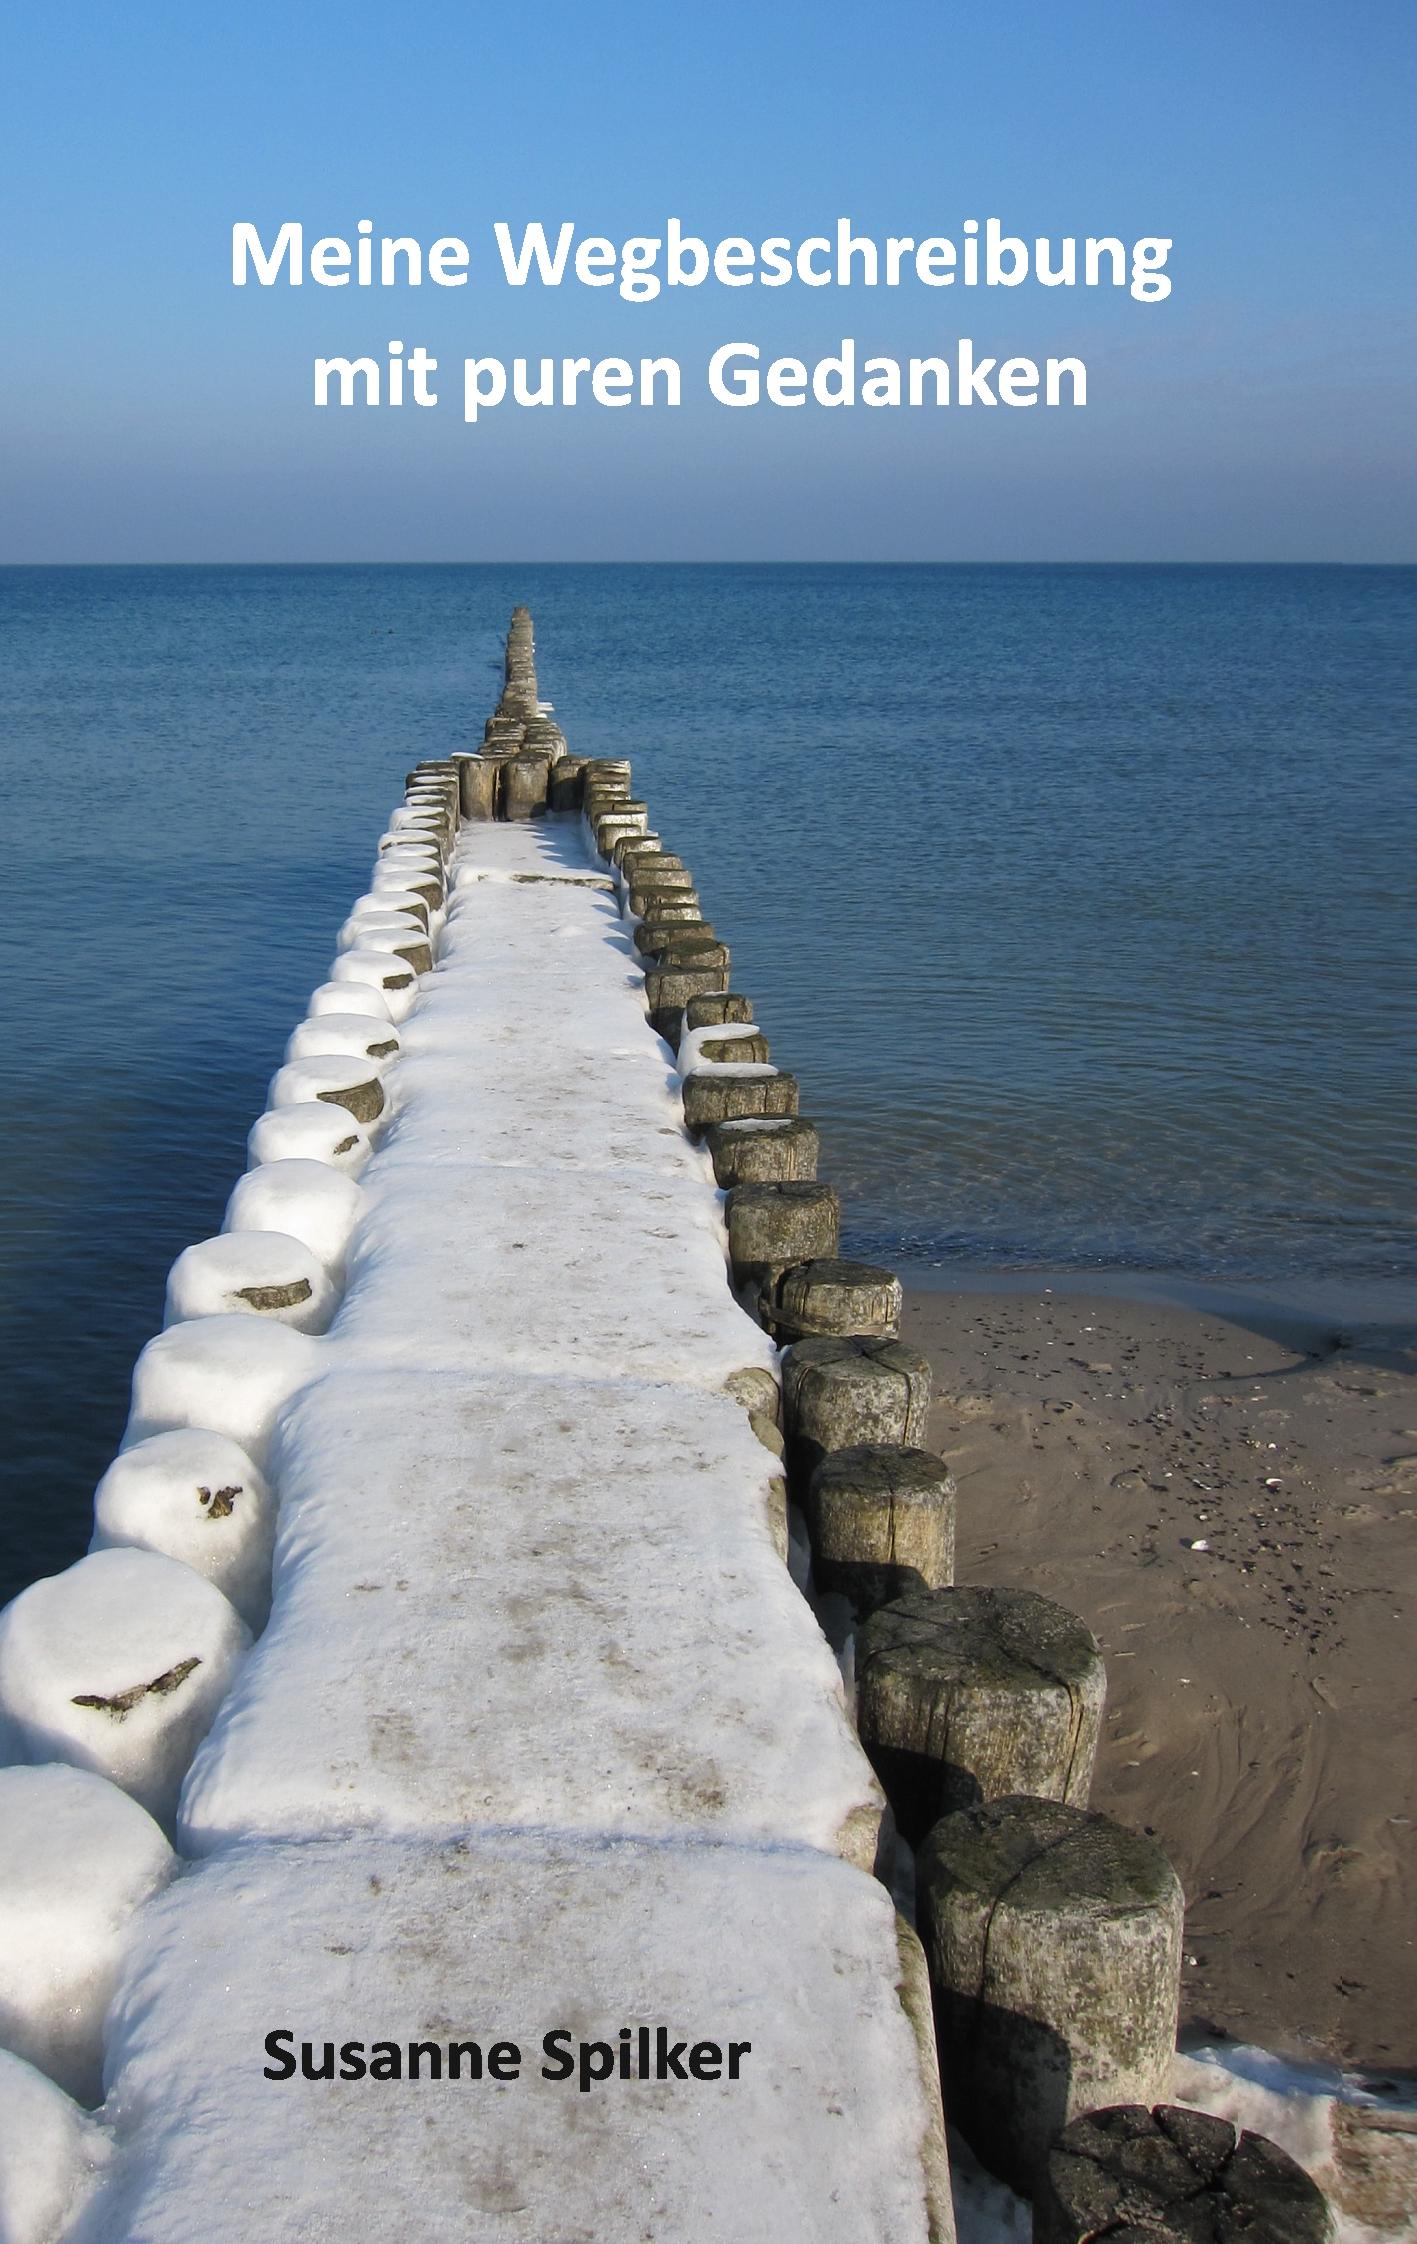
1234, 1512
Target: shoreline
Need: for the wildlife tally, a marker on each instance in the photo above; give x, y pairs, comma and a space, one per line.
1307, 1307
1222, 1481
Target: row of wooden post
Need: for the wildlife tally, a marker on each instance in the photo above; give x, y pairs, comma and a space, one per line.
1052, 1934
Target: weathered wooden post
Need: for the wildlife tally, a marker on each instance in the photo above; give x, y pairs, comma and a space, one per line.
1054, 1942
830, 1298
1171, 2176
763, 1149
966, 1695
773, 1225
882, 1522
838, 1394
731, 1093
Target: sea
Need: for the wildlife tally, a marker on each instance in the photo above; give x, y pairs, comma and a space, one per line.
1080, 900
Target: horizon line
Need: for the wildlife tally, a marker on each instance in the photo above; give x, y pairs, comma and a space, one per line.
1255, 561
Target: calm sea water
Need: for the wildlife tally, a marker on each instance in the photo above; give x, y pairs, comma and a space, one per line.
1080, 899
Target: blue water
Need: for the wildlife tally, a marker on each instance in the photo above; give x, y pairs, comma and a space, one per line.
1080, 899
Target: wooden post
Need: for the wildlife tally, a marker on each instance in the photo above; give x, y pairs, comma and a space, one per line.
1054, 1943
882, 1522
966, 1695
772, 1225
762, 1150
525, 779
725, 1094
668, 990
566, 783
714, 1012
1170, 2176
831, 1297
838, 1394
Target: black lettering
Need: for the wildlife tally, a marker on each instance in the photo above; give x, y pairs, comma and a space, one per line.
736, 2051
325, 2070
597, 2064
668, 2056
706, 2060
557, 2045
504, 2061
285, 2065
385, 2061
351, 2061
417, 2051
457, 2050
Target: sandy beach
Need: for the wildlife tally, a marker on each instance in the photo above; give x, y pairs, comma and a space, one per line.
1232, 1506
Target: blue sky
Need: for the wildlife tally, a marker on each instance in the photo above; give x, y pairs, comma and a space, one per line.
153, 412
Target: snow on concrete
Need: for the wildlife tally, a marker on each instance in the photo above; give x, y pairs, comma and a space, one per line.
510, 1938
229, 1374
118, 1665
308, 1199
195, 1496
77, 1857
315, 1131
345, 1036
251, 1273
51, 2155
510, 1602
539, 1270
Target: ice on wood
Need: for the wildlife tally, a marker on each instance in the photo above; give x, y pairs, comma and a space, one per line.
77, 1857
516, 1602
308, 1199
230, 1374
343, 1036
195, 1496
692, 1042
316, 1131
380, 970
251, 1273
325, 1078
381, 931
118, 1665
824, 2138
348, 997
51, 2155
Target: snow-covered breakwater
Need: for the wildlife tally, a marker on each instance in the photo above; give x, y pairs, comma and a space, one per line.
438, 1718
436, 1688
